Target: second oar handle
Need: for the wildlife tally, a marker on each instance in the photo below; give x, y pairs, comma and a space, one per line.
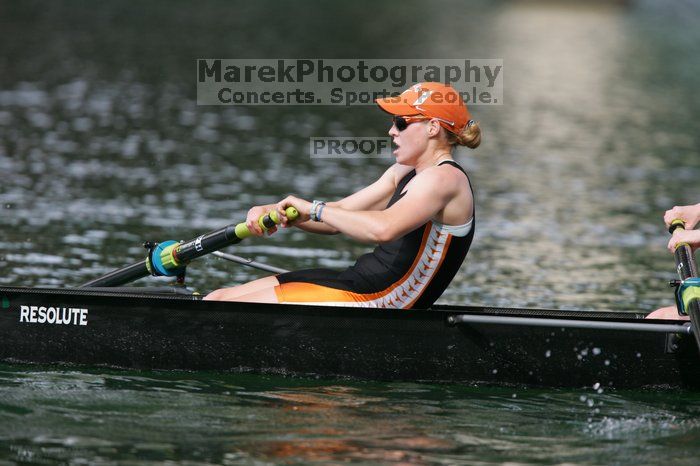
686, 298
685, 260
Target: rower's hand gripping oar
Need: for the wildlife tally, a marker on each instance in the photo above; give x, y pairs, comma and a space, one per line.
170, 258
688, 288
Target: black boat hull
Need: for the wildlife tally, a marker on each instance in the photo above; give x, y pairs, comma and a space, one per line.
141, 331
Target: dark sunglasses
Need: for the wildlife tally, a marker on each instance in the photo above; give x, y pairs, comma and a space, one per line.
402, 122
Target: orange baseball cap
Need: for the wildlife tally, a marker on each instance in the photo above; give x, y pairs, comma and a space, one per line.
432, 100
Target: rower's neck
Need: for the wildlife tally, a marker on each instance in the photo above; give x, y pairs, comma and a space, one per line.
437, 159
444, 158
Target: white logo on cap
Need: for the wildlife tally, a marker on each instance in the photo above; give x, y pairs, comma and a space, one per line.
414, 88
423, 97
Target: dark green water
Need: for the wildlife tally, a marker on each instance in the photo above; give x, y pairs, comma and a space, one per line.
91, 417
102, 146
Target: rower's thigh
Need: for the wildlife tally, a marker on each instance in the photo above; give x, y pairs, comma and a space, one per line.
266, 295
230, 294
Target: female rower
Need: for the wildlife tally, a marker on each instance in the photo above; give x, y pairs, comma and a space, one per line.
420, 212
690, 214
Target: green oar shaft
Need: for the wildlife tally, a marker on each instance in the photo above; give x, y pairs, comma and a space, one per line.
175, 256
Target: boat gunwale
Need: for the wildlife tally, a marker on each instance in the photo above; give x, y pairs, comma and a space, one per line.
438, 311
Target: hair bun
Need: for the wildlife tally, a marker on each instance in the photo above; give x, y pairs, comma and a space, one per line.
470, 136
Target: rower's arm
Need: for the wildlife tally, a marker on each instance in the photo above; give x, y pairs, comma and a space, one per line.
316, 227
374, 197
429, 194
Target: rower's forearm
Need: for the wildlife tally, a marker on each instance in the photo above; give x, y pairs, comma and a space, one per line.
366, 226
316, 227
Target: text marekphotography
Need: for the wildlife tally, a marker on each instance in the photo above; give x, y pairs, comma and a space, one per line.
305, 81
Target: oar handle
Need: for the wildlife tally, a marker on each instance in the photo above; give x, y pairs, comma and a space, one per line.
170, 258
266, 221
183, 253
271, 219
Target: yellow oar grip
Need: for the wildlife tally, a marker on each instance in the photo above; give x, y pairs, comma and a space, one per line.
290, 212
271, 219
675, 224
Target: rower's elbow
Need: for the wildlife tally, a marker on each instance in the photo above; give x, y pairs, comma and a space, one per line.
383, 234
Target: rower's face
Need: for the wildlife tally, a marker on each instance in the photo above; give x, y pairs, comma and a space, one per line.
410, 143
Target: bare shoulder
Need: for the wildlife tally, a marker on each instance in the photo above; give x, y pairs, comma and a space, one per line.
445, 175
451, 169
398, 171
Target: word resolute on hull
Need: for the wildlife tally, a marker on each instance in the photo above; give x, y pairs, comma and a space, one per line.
53, 315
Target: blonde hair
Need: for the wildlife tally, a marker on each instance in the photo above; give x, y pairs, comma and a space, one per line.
470, 136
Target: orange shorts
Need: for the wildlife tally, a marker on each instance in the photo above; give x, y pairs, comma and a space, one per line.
310, 293
324, 287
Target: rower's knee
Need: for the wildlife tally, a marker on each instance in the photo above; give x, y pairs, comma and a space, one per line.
235, 292
265, 295
667, 313
216, 295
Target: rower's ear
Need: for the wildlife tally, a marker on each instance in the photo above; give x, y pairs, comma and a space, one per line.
433, 128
